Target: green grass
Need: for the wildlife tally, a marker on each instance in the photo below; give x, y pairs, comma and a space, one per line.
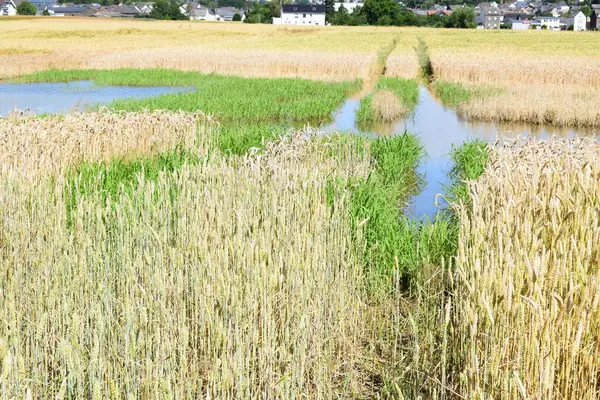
452, 94
470, 160
227, 98
407, 91
377, 205
110, 179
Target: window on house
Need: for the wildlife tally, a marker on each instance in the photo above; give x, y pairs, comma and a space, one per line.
303, 15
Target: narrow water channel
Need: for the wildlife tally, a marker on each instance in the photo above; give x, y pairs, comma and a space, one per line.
439, 128
51, 98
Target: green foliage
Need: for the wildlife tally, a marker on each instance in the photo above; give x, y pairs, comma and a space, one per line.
376, 10
26, 8
329, 10
452, 94
167, 10
377, 205
341, 16
262, 13
228, 98
470, 160
46, 13
239, 138
462, 18
407, 91
425, 65
110, 179
236, 17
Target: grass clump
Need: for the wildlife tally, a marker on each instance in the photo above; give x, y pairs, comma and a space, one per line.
470, 160
227, 98
425, 65
372, 107
377, 204
453, 94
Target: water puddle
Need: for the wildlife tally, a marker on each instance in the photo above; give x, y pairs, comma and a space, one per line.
53, 98
439, 128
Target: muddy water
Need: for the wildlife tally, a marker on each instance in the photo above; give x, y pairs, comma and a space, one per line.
67, 97
439, 128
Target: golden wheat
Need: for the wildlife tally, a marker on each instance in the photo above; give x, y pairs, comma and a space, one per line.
31, 144
234, 278
557, 105
528, 292
386, 106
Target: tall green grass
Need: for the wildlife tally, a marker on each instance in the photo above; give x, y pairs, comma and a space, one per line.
453, 94
469, 162
228, 98
376, 206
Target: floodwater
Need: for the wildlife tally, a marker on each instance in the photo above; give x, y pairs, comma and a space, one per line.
439, 128
50, 98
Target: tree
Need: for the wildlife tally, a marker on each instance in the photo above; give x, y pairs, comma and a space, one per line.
236, 17
261, 14
374, 10
341, 16
165, 9
26, 8
587, 11
46, 13
329, 10
462, 18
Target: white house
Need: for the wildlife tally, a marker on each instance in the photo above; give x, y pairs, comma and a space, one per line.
197, 12
203, 14
552, 23
8, 8
301, 14
227, 14
349, 5
579, 22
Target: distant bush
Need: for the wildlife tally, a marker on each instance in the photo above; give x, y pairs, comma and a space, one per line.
26, 8
236, 17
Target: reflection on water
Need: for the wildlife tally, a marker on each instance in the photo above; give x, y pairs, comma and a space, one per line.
72, 96
439, 128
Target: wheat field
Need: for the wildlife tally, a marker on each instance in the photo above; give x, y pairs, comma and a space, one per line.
527, 293
231, 277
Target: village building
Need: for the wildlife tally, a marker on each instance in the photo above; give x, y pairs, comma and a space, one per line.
8, 8
493, 18
580, 22
299, 14
226, 14
551, 23
594, 20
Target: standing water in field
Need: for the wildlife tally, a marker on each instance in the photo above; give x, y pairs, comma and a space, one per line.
47, 98
438, 128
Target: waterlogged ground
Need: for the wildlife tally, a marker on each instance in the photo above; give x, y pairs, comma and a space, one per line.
50, 98
439, 129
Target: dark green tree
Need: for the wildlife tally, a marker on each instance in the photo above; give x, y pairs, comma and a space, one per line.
587, 11
236, 17
165, 9
260, 14
329, 10
375, 10
341, 16
462, 18
26, 8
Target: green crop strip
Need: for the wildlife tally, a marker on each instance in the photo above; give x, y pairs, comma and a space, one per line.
453, 94
228, 98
